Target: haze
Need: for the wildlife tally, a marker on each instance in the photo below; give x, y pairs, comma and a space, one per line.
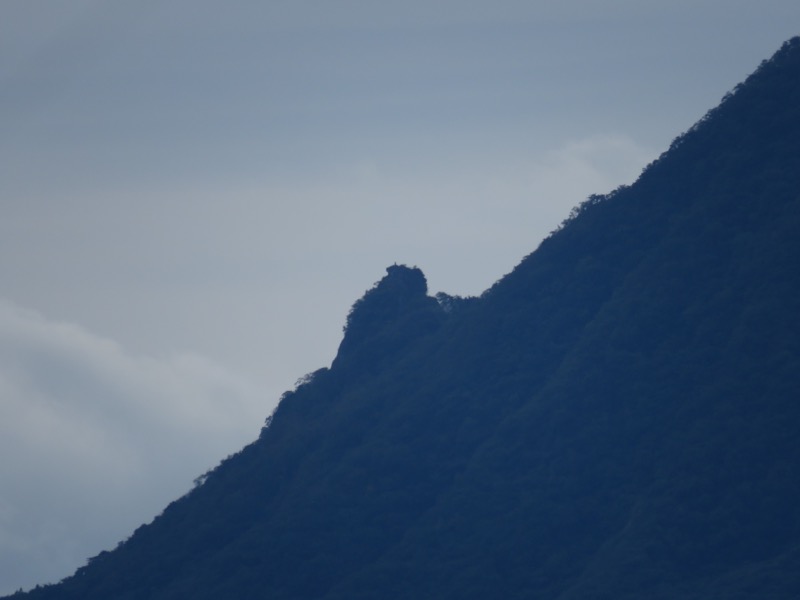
195, 193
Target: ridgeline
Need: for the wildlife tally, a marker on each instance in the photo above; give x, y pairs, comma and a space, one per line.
616, 418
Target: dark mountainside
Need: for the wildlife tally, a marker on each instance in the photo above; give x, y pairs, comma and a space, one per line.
616, 418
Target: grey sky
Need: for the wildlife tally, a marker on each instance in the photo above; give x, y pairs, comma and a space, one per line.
195, 192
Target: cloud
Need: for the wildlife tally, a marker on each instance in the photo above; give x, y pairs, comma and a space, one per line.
102, 439
96, 441
465, 217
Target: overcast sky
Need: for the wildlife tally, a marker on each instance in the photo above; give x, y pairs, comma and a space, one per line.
194, 192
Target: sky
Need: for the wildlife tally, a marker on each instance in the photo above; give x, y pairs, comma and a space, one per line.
195, 192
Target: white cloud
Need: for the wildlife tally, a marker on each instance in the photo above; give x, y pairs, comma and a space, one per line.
96, 441
465, 218
103, 439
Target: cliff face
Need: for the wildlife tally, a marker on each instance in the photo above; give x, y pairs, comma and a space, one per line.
388, 317
616, 418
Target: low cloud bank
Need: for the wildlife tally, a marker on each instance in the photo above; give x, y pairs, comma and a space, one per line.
96, 441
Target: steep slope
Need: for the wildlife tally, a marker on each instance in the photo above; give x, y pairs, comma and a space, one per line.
616, 418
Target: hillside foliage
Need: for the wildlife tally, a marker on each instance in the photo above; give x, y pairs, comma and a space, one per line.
616, 418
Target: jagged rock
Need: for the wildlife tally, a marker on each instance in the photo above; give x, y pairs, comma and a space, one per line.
394, 311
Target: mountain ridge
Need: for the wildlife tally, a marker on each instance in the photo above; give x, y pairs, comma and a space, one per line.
616, 417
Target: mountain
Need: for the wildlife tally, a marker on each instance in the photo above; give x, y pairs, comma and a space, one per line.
618, 417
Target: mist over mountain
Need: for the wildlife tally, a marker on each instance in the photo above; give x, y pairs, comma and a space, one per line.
615, 418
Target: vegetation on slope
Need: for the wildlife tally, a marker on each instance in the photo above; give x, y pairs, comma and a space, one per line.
616, 418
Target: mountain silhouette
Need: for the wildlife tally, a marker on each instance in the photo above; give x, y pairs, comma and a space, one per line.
618, 417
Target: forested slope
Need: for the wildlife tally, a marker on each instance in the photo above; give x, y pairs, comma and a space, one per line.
616, 418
